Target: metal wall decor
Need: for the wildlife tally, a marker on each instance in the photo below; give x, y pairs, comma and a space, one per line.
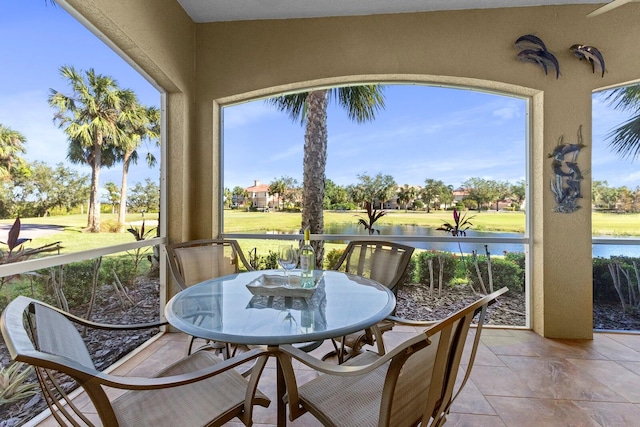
591, 55
567, 179
533, 50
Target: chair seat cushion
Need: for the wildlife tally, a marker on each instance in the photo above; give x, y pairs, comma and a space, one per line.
357, 404
190, 405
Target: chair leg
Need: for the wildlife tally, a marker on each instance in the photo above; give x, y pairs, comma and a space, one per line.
191, 340
338, 352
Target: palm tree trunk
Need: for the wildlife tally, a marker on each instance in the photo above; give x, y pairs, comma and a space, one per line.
93, 223
315, 160
123, 191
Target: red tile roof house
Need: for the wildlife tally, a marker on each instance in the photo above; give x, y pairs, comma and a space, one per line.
259, 195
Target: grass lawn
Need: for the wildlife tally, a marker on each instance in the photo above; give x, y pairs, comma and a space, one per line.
73, 239
237, 221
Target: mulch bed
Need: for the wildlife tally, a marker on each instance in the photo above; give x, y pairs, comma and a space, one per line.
414, 302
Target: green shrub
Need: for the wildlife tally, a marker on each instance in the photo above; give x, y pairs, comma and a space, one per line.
412, 267
504, 273
267, 262
77, 279
108, 226
603, 289
422, 266
518, 259
346, 206
332, 257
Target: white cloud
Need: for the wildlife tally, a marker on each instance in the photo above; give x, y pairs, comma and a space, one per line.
291, 151
510, 111
248, 114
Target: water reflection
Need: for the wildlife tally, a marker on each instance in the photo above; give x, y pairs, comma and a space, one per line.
604, 251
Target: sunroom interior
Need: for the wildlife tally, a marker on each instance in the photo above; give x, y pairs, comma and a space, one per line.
204, 56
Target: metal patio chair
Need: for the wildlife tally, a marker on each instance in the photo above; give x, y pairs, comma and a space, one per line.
413, 383
195, 261
384, 262
200, 389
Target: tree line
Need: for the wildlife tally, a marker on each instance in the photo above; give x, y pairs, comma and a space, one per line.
105, 125
382, 190
617, 199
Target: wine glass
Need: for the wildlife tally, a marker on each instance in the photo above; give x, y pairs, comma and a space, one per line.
288, 259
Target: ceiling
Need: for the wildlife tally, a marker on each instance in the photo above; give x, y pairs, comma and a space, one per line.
241, 10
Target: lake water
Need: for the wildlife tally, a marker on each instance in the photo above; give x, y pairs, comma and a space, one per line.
604, 251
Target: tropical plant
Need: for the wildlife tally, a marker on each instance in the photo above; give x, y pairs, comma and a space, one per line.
17, 252
406, 194
141, 234
361, 103
282, 187
625, 139
11, 146
14, 383
143, 123
458, 228
460, 224
372, 216
239, 195
15, 243
91, 118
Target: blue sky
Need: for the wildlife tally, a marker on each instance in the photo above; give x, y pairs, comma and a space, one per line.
424, 132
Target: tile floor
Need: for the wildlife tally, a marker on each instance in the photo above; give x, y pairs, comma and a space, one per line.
519, 379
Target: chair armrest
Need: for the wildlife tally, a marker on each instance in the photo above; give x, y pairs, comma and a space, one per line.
137, 383
97, 325
342, 370
66, 365
410, 322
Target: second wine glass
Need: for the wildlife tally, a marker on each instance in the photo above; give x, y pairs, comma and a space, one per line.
288, 259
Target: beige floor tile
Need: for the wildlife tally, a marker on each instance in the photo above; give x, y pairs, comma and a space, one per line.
612, 349
615, 376
508, 345
499, 381
556, 378
472, 420
471, 400
612, 414
518, 412
519, 379
632, 366
631, 340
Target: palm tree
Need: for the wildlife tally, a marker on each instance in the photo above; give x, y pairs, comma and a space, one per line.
278, 186
11, 146
406, 194
90, 118
361, 103
625, 139
141, 124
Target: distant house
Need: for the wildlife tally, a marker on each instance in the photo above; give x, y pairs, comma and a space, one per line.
259, 195
459, 194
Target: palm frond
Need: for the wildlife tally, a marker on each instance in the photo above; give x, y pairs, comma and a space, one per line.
625, 139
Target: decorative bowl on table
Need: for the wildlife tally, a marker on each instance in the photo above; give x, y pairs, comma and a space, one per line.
275, 285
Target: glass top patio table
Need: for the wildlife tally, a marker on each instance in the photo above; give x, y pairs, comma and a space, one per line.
224, 309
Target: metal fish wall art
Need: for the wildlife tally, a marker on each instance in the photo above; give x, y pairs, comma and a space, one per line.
591, 55
533, 50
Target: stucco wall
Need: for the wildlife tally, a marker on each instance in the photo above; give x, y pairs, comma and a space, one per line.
242, 60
